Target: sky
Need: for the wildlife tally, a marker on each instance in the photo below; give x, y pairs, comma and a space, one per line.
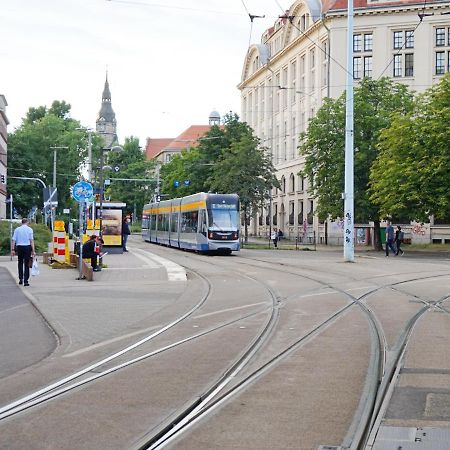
169, 62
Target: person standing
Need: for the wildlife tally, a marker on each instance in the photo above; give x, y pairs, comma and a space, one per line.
389, 238
399, 236
23, 244
274, 237
125, 232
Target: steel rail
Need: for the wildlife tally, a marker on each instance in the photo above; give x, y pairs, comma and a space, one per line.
11, 406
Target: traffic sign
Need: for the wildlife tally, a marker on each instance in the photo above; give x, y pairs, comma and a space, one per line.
82, 191
116, 168
187, 182
176, 183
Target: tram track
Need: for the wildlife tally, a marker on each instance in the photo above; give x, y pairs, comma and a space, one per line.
378, 382
232, 383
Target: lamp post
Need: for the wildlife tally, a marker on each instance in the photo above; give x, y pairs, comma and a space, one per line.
52, 209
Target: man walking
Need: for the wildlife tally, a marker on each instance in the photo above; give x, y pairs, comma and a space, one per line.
389, 238
23, 244
399, 236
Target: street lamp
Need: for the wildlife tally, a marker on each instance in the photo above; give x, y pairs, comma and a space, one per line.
115, 148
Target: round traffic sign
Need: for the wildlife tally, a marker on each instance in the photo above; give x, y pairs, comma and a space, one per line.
82, 191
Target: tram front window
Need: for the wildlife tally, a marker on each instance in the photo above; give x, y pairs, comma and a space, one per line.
223, 219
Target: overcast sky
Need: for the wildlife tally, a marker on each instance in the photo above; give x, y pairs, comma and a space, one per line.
170, 62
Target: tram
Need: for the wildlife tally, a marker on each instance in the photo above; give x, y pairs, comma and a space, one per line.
200, 222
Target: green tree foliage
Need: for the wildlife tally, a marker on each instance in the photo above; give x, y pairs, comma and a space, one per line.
30, 155
228, 159
247, 170
411, 175
323, 146
133, 164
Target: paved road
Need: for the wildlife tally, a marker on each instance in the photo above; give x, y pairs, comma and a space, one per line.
25, 338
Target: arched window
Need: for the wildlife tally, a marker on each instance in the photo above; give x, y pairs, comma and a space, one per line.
283, 185
292, 183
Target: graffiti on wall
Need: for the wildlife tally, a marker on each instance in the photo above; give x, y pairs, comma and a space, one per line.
418, 229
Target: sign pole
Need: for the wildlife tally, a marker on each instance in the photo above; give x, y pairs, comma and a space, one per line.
11, 209
80, 237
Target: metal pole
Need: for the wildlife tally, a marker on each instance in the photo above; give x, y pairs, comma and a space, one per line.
80, 237
10, 224
101, 194
89, 167
349, 250
54, 167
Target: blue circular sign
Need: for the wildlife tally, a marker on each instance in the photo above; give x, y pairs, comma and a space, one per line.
82, 191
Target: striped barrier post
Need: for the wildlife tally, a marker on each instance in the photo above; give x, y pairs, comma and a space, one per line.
60, 254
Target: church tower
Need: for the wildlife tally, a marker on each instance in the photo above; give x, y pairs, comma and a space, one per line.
106, 124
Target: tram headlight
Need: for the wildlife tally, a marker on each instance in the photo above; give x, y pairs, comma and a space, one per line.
211, 235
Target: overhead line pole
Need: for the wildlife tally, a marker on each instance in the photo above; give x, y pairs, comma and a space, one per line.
349, 242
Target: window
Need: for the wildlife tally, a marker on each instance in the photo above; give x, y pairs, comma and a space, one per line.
312, 58
440, 63
357, 43
409, 39
409, 64
397, 66
440, 37
362, 65
398, 39
368, 66
291, 183
300, 213
283, 184
357, 73
368, 42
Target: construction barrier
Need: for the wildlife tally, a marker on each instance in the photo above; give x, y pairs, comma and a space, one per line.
59, 241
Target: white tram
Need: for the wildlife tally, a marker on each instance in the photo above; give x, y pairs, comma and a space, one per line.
201, 222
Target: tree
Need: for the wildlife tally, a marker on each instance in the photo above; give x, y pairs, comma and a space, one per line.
411, 175
228, 159
323, 146
30, 154
132, 163
247, 170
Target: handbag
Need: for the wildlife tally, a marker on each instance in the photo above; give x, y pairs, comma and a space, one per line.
35, 267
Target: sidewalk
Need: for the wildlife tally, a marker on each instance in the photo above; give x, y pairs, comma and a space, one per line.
122, 296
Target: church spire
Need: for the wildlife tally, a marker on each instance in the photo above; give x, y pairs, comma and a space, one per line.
106, 122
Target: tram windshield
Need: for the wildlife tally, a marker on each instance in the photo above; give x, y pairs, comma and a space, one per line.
225, 218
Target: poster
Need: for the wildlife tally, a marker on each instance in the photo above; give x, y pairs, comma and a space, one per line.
112, 227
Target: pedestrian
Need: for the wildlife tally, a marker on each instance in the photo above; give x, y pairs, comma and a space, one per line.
399, 236
125, 232
280, 234
23, 245
91, 249
274, 237
389, 238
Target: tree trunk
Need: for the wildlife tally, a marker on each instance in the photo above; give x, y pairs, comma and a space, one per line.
245, 226
376, 236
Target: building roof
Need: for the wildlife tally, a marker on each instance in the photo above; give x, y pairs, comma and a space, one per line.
155, 146
189, 137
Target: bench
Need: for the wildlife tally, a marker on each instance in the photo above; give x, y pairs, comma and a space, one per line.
86, 268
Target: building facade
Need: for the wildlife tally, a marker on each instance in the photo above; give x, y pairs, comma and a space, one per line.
3, 155
302, 59
106, 123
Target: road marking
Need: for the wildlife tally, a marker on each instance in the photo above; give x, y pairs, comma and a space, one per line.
109, 341
174, 271
229, 309
14, 307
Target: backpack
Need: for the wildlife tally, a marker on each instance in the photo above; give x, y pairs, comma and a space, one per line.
401, 235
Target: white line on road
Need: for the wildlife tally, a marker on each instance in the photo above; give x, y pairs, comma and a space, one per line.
174, 271
229, 309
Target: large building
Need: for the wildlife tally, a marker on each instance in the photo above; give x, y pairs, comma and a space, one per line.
302, 59
3, 155
106, 124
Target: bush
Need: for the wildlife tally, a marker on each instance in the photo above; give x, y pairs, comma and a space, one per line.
136, 226
42, 236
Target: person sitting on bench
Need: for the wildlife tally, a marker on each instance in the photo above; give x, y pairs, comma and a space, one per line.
91, 249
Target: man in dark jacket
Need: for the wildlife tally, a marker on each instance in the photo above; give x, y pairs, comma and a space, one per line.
125, 233
91, 249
